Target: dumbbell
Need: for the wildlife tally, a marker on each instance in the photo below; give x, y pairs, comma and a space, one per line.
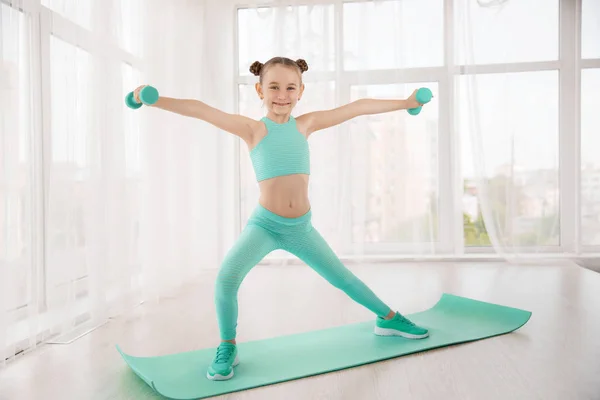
148, 96
423, 96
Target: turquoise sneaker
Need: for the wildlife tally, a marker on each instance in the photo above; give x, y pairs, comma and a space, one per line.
399, 326
221, 368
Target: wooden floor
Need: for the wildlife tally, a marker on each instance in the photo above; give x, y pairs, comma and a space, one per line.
556, 355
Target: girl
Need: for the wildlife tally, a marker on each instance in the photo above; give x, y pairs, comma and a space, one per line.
282, 220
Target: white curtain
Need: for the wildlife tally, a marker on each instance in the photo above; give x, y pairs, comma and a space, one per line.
491, 165
102, 207
508, 112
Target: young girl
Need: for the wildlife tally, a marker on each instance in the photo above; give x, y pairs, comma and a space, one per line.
282, 220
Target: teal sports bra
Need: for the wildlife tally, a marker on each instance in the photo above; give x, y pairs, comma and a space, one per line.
283, 151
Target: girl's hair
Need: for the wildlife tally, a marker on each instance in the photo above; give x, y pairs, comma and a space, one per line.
259, 69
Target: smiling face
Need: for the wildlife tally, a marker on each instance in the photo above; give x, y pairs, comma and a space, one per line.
281, 89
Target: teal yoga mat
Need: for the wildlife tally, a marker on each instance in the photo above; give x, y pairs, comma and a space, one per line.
451, 321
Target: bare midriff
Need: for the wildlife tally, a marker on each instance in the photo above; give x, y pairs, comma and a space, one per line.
286, 195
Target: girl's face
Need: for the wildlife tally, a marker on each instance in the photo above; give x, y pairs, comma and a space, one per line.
281, 89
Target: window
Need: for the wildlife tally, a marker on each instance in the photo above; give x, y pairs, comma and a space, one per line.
70, 170
393, 34
514, 31
307, 33
398, 182
57, 215
78, 11
16, 250
520, 140
127, 17
395, 170
590, 158
590, 29
70, 113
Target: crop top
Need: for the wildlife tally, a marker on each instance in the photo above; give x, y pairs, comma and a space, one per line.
283, 151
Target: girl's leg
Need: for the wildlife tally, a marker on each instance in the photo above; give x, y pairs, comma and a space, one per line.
311, 248
251, 247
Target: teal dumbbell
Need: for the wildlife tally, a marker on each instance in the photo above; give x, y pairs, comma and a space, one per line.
148, 96
424, 96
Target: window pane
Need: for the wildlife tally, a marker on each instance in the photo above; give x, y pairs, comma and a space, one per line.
295, 32
590, 29
516, 31
518, 145
78, 11
127, 22
16, 124
69, 74
393, 34
394, 170
590, 157
70, 165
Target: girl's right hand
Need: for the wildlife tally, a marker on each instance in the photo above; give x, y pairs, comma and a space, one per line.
136, 93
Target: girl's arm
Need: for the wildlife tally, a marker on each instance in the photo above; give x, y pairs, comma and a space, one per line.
319, 120
236, 124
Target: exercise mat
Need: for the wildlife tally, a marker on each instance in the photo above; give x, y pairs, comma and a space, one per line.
452, 320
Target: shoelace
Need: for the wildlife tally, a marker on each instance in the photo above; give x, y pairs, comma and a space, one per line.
406, 321
223, 354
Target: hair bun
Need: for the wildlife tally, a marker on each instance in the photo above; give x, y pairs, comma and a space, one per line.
256, 67
302, 64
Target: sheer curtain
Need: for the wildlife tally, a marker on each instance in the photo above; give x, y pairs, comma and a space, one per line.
16, 166
516, 120
495, 165
102, 207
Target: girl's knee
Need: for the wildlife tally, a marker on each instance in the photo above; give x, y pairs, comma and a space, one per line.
226, 288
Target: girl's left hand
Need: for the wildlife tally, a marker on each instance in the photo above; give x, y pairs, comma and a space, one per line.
412, 100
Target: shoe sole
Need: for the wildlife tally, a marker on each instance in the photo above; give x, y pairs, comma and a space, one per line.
393, 332
219, 377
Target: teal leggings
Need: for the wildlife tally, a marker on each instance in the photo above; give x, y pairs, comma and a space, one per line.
266, 232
